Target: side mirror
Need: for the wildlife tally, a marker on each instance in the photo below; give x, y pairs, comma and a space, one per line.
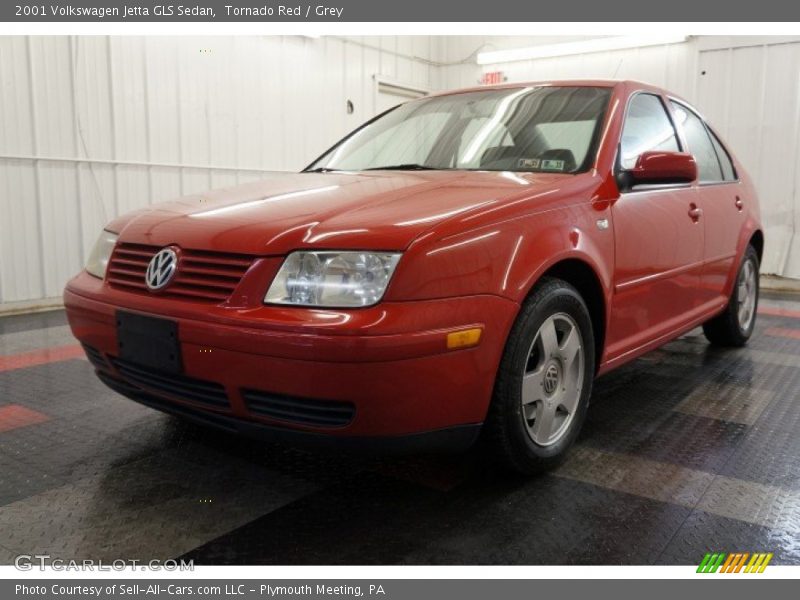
656, 168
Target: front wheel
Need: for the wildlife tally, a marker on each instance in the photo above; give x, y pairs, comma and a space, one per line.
544, 381
735, 325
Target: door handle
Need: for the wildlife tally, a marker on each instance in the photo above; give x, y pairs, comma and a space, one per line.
739, 204
695, 213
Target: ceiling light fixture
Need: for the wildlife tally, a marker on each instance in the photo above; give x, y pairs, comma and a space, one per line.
603, 44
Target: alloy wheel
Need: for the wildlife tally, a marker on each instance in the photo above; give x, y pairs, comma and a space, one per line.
551, 383
746, 295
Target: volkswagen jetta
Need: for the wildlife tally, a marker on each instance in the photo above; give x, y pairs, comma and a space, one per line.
464, 263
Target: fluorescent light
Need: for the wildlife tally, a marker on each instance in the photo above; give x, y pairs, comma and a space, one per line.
580, 47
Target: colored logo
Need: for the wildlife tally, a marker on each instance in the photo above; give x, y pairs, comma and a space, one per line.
736, 562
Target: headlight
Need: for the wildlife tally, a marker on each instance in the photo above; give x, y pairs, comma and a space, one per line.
98, 258
332, 279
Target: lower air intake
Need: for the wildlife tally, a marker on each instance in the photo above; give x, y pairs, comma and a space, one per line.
300, 411
176, 386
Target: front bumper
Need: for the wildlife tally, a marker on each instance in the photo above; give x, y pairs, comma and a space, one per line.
389, 363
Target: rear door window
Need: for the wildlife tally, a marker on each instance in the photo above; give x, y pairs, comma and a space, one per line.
699, 144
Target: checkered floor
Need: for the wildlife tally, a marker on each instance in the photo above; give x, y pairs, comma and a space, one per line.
687, 450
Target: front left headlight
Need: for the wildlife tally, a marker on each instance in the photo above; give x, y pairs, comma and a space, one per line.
332, 279
98, 258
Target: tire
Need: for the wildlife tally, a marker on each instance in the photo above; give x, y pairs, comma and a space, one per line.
541, 395
736, 323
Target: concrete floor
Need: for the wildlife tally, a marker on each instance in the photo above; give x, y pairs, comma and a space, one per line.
687, 450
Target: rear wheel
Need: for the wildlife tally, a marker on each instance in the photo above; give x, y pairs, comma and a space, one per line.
544, 381
735, 325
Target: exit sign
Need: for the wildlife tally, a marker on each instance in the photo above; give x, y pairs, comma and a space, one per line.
492, 78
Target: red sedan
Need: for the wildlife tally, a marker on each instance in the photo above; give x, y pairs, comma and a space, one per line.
466, 262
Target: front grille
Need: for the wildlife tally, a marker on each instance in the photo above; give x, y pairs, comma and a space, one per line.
202, 275
169, 384
95, 357
299, 410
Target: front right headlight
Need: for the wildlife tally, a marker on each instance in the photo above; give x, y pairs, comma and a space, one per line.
101, 253
332, 279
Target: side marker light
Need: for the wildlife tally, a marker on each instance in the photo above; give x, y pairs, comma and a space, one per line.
464, 338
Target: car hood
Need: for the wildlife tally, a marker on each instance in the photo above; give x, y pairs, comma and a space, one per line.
383, 210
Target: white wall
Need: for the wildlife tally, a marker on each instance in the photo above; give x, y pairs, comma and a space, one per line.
747, 86
752, 94
160, 117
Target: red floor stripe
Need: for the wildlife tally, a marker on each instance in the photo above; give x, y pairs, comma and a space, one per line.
39, 357
15, 416
773, 311
784, 332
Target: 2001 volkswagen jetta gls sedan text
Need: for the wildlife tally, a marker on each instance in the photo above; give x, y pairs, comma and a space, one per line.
464, 263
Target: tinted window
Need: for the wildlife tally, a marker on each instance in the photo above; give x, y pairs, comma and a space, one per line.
647, 128
699, 144
725, 161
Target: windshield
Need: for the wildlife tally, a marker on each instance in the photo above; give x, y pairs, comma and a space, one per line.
542, 129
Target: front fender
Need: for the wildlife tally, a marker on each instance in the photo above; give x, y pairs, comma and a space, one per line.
507, 258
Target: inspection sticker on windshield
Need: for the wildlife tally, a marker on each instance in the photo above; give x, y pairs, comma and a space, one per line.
528, 163
552, 165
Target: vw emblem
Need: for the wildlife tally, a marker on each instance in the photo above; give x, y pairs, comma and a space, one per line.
550, 379
161, 269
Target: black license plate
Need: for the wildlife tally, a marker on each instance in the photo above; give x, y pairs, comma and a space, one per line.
148, 341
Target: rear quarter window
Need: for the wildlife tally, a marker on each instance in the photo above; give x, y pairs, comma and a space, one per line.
728, 172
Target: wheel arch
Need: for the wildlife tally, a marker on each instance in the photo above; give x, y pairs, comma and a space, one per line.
580, 274
757, 242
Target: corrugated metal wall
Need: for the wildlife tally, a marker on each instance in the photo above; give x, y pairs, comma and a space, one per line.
747, 86
91, 127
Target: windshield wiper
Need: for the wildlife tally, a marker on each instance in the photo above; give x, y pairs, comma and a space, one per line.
319, 170
403, 167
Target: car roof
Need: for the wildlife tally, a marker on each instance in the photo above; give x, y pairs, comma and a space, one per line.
607, 83
632, 85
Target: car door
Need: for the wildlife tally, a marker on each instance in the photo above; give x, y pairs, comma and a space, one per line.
658, 238
719, 196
